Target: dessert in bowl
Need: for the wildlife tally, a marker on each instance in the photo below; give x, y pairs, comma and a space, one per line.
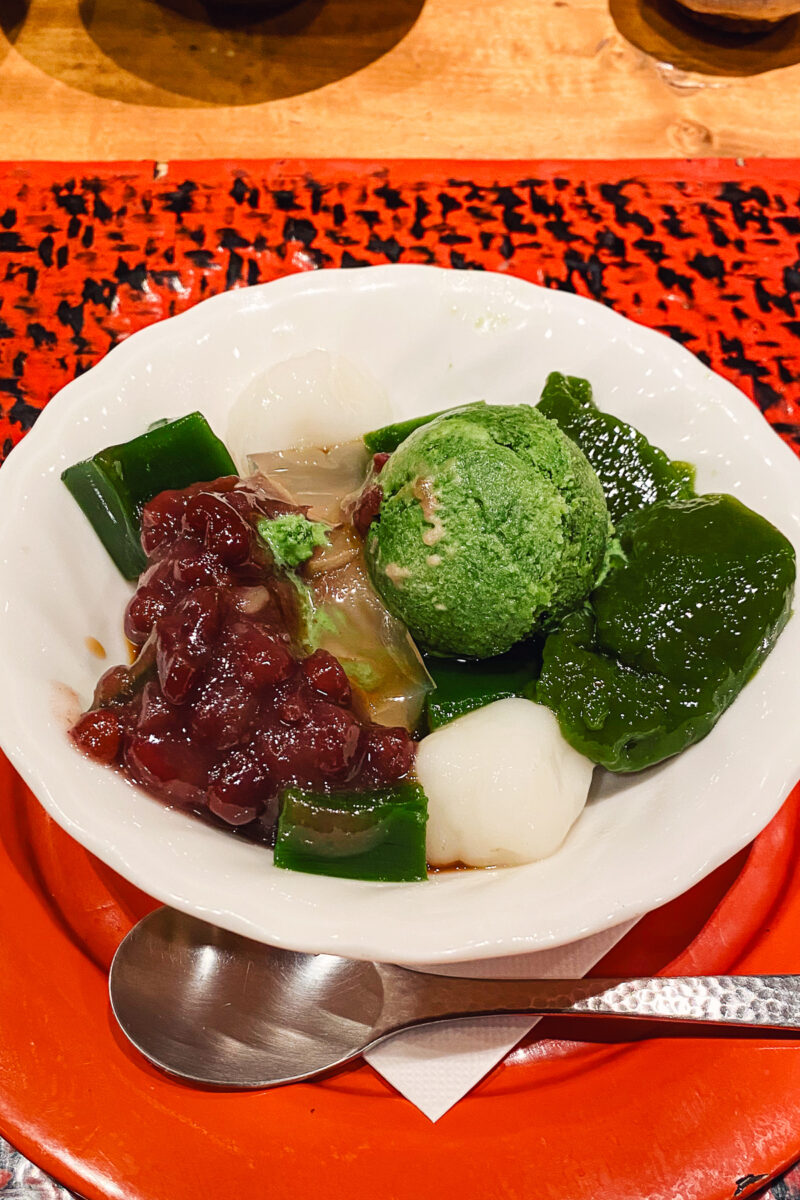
643, 837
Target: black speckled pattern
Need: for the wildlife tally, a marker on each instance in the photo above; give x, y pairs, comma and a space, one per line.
708, 252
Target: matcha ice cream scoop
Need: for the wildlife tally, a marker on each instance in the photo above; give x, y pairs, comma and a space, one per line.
492, 523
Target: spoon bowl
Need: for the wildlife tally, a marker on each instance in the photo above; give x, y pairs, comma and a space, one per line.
217, 1008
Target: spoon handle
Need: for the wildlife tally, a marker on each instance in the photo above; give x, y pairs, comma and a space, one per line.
756, 1001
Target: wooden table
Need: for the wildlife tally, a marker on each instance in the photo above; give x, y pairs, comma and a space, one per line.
106, 79
127, 79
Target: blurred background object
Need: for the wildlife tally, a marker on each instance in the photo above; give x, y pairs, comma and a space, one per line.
512, 79
742, 16
691, 49
185, 53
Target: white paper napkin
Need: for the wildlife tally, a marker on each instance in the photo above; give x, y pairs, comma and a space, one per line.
435, 1065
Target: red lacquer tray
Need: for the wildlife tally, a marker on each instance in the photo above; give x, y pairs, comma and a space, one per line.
660, 1118
706, 252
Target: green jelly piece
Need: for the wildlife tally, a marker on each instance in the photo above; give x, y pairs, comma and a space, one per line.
111, 516
387, 439
463, 684
672, 634
377, 835
567, 390
632, 471
619, 717
113, 486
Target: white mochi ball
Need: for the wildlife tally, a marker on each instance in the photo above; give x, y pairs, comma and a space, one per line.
313, 399
503, 786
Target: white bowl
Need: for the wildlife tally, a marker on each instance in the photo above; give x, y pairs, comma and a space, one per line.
433, 338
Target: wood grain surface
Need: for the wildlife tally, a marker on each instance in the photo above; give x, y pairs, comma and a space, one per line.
122, 79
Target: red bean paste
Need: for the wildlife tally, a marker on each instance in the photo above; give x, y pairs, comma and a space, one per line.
223, 706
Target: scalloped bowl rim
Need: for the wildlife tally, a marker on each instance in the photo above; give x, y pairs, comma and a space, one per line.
459, 916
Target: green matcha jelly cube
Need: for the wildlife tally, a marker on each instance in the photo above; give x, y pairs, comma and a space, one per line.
114, 485
632, 472
389, 437
463, 684
378, 835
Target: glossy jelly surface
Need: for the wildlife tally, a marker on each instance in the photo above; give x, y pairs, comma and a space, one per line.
633, 473
672, 634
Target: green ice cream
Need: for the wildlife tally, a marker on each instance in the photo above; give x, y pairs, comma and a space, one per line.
492, 524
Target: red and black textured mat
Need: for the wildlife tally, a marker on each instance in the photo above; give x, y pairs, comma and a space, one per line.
708, 252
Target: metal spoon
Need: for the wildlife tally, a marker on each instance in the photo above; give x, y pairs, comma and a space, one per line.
217, 1008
